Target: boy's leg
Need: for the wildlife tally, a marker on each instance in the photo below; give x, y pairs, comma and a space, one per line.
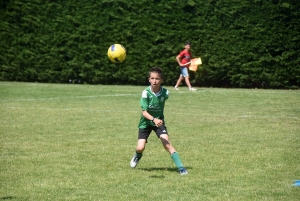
143, 135
187, 81
174, 155
178, 82
141, 144
181, 77
186, 76
164, 138
138, 153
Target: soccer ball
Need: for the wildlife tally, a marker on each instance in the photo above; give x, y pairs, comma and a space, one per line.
116, 53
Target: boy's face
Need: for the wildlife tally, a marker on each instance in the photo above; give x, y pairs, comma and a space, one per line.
155, 79
187, 47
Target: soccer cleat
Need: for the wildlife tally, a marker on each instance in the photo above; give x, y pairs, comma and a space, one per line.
176, 88
192, 89
134, 161
183, 171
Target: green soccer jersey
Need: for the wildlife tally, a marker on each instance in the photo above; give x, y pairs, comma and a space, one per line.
154, 104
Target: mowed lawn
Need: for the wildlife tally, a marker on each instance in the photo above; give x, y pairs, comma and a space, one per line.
74, 142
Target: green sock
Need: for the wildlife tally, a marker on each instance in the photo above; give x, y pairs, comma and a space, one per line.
139, 155
177, 160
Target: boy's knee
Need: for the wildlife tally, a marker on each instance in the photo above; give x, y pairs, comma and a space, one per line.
140, 149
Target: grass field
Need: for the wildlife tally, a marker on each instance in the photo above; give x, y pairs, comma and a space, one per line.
74, 142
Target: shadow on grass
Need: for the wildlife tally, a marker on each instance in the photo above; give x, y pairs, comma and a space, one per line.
162, 169
153, 169
157, 176
7, 198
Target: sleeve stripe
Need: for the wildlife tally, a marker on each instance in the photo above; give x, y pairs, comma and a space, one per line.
144, 94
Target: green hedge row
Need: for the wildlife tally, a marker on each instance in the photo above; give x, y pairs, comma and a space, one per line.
245, 43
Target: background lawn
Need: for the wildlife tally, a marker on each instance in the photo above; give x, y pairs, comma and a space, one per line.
74, 142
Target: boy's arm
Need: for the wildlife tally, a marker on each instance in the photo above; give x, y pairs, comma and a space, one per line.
157, 122
178, 60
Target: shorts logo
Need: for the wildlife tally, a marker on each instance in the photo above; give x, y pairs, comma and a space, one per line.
164, 131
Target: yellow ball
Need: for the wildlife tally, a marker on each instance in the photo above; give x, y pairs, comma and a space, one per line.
116, 53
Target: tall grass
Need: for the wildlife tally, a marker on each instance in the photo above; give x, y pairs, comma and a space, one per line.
74, 142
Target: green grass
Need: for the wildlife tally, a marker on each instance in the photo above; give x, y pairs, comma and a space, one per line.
74, 142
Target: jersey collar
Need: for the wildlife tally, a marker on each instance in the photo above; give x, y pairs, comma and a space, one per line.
158, 93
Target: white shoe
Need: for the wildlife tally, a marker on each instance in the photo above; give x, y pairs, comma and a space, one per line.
192, 89
183, 171
134, 161
176, 88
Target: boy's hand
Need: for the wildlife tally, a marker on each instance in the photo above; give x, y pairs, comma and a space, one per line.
158, 122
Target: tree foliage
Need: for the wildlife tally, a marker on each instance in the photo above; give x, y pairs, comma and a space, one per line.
242, 43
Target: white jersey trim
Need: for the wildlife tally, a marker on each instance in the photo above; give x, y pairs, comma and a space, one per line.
144, 94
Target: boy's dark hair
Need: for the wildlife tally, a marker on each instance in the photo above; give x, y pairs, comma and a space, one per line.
157, 70
187, 43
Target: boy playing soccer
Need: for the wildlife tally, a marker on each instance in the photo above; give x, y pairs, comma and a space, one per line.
152, 119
